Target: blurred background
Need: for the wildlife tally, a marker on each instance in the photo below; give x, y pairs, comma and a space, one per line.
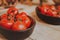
8, 3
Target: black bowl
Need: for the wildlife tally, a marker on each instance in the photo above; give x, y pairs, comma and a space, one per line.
48, 19
18, 35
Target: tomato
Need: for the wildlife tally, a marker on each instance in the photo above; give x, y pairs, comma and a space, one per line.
49, 10
43, 9
24, 18
55, 13
49, 13
21, 14
12, 11
7, 24
27, 21
4, 16
19, 26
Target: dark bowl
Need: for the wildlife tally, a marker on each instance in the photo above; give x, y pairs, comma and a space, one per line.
48, 19
18, 35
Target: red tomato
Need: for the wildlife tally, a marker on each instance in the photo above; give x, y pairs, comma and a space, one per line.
43, 10
7, 24
24, 18
54, 13
4, 16
27, 21
21, 14
19, 26
12, 11
49, 12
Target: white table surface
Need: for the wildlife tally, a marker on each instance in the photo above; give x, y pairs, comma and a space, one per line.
42, 31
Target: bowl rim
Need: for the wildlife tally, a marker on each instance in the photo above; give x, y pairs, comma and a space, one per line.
33, 23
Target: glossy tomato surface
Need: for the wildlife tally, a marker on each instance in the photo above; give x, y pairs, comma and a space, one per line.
12, 11
24, 18
15, 21
50, 10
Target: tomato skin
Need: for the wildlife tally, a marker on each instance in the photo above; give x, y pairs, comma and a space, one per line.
4, 24
27, 21
49, 10
24, 19
6, 21
12, 11
7, 24
4, 16
21, 14
43, 9
49, 13
19, 26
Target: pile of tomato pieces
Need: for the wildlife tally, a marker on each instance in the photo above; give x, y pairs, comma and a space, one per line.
50, 10
13, 20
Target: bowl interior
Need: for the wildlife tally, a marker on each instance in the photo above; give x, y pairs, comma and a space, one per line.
31, 26
37, 9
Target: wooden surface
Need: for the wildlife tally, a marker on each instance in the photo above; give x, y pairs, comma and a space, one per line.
42, 31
